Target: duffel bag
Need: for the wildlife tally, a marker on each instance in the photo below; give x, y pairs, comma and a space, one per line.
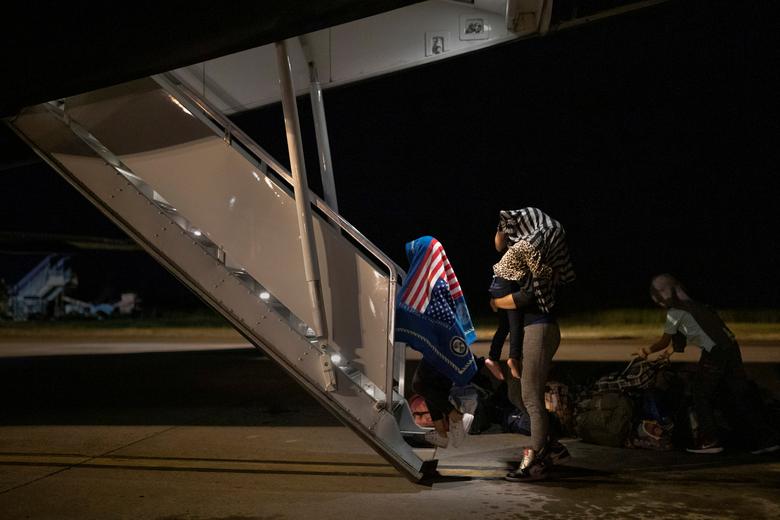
605, 419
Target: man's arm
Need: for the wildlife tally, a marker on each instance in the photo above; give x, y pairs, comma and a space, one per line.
655, 347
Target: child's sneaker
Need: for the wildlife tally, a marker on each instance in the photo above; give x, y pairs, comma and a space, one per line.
558, 453
435, 438
534, 466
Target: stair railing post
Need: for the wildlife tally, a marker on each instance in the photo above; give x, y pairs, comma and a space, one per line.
323, 142
301, 187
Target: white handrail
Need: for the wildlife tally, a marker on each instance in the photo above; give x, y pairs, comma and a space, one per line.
230, 133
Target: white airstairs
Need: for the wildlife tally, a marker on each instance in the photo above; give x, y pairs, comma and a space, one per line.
218, 212
159, 157
41, 287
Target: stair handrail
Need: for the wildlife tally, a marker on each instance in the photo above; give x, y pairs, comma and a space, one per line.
32, 273
230, 131
223, 126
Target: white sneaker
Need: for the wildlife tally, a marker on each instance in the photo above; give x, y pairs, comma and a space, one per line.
468, 420
435, 438
457, 432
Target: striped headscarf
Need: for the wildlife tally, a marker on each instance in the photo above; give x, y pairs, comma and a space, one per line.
538, 257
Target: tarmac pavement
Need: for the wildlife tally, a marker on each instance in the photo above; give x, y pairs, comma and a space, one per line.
225, 434
611, 349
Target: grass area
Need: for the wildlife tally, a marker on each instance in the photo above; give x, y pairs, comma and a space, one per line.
747, 324
195, 326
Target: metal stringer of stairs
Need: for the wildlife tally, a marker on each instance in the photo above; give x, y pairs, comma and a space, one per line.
219, 213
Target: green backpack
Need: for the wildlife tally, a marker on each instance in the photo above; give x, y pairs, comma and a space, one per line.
605, 419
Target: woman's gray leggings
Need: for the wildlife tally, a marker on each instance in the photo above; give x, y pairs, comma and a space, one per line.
539, 346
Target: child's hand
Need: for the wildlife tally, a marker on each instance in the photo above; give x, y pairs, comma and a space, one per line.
495, 369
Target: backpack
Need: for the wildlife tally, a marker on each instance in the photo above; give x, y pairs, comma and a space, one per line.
516, 420
652, 435
605, 418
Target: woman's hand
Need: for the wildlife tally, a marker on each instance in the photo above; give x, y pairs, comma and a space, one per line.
642, 353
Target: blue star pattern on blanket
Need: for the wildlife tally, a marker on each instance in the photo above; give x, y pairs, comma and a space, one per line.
442, 307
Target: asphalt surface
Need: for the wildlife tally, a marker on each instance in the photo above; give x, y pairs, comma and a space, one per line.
596, 350
226, 434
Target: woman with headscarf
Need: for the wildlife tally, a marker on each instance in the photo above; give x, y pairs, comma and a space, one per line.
433, 319
537, 259
720, 364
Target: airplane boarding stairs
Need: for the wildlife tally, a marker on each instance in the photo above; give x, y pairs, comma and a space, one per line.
219, 213
47, 281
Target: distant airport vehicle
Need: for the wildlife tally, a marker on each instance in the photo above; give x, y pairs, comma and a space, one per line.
42, 294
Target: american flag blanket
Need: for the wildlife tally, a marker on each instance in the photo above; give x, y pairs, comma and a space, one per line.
538, 256
432, 316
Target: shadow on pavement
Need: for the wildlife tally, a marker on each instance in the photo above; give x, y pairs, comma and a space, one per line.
244, 388
227, 387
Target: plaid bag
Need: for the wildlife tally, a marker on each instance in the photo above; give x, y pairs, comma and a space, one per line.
638, 375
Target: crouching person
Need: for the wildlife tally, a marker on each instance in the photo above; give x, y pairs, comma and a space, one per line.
720, 364
433, 319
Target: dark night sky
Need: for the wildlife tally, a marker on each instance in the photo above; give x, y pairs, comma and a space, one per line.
652, 137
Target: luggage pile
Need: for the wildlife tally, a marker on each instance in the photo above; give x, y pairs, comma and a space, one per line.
624, 409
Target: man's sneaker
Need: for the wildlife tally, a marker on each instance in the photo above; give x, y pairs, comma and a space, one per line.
435, 438
458, 431
706, 446
558, 453
766, 449
534, 466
